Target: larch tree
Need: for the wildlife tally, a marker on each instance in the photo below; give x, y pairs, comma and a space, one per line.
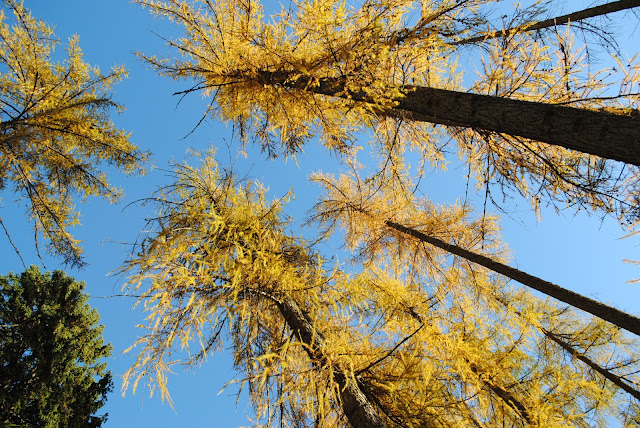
537, 120
397, 344
566, 19
416, 337
52, 372
374, 215
55, 129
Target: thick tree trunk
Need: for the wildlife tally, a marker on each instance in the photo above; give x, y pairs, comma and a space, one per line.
357, 408
598, 133
602, 134
600, 310
591, 12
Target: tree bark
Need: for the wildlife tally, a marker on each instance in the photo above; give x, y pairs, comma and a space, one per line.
616, 380
591, 12
356, 405
598, 133
507, 397
602, 134
598, 309
613, 378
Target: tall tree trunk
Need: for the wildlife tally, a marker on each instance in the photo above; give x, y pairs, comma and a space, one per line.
356, 405
591, 12
611, 377
507, 397
598, 309
598, 133
602, 134
615, 379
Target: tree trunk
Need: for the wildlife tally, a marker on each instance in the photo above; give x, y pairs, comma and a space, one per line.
508, 398
598, 133
602, 134
591, 12
600, 310
357, 408
616, 380
613, 378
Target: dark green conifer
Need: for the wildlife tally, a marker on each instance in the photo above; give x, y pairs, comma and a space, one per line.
50, 350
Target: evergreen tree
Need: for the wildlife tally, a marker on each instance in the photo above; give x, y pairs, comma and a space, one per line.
50, 350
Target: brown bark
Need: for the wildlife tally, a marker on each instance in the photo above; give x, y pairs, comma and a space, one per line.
595, 308
613, 378
508, 398
591, 12
594, 132
356, 405
616, 380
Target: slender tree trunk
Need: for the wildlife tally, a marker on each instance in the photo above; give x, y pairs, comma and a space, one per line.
591, 12
356, 405
613, 378
616, 380
598, 133
507, 397
600, 310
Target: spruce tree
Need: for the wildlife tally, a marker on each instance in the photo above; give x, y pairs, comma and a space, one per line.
51, 347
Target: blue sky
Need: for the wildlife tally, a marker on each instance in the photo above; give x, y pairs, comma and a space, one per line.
578, 252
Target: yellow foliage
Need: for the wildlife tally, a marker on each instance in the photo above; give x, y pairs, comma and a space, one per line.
334, 70
440, 345
426, 338
55, 129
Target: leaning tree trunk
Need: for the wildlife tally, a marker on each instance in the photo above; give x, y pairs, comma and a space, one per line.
598, 309
607, 374
598, 133
581, 15
502, 393
356, 405
611, 377
602, 134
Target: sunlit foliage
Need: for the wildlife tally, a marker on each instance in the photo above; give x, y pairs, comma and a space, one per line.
426, 341
380, 217
287, 77
55, 132
405, 335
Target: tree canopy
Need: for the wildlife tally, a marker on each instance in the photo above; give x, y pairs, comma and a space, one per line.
328, 69
417, 319
55, 129
411, 336
51, 347
404, 342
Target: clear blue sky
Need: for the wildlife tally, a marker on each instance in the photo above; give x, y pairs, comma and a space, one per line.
580, 253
